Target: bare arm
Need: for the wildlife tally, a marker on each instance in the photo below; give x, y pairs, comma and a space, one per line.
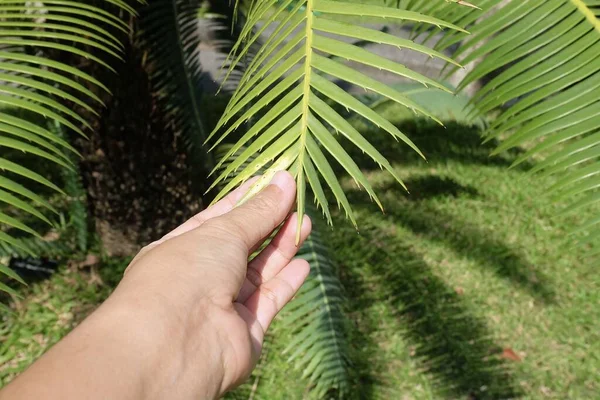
189, 317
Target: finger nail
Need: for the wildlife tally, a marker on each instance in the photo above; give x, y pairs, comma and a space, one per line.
280, 179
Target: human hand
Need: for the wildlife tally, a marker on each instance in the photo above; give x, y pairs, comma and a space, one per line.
200, 276
189, 317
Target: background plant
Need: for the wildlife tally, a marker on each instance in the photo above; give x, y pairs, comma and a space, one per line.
288, 112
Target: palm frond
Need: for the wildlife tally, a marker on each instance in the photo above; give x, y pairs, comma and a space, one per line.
70, 234
170, 33
293, 133
33, 83
27, 246
445, 106
545, 56
316, 318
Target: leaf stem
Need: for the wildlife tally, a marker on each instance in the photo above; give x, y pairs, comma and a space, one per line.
589, 14
305, 111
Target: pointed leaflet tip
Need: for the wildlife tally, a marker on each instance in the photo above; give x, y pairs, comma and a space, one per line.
467, 4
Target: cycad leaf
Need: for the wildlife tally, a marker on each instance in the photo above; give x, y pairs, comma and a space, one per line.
317, 321
547, 54
329, 143
8, 198
297, 65
23, 191
11, 274
35, 88
170, 34
15, 223
374, 36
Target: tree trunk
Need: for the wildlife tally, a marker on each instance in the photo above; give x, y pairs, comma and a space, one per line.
135, 171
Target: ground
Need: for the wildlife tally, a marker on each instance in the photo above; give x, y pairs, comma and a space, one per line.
468, 288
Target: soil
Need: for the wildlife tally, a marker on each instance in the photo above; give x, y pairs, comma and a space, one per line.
134, 167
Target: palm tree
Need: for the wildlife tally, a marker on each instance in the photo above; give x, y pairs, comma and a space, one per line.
541, 60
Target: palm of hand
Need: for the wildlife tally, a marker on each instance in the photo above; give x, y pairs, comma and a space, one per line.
201, 272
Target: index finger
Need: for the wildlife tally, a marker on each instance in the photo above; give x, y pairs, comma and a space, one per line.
223, 206
256, 219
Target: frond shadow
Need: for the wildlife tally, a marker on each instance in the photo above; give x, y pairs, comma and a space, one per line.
432, 186
455, 142
465, 238
446, 339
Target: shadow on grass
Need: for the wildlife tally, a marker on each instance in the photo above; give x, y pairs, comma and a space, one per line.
449, 342
467, 239
438, 144
462, 144
432, 186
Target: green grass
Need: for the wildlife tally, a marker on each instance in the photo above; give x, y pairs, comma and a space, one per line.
49, 310
473, 263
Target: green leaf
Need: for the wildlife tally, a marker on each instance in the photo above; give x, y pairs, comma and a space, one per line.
335, 149
355, 53
17, 169
27, 148
11, 274
285, 72
349, 75
342, 126
4, 237
18, 203
324, 168
544, 56
369, 10
15, 223
374, 36
40, 91
313, 179
23, 191
334, 92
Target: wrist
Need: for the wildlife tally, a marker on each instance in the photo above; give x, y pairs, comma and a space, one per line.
177, 354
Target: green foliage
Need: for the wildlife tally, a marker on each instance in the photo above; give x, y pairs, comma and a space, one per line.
544, 60
67, 236
293, 131
316, 319
169, 33
445, 106
35, 245
31, 34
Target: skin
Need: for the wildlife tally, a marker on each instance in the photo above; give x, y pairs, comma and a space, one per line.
189, 317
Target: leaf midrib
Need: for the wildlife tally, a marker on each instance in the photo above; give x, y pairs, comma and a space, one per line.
589, 14
328, 310
189, 88
305, 102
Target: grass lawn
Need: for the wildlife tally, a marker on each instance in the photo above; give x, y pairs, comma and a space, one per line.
466, 289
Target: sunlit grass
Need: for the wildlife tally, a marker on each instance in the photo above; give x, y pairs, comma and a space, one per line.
465, 289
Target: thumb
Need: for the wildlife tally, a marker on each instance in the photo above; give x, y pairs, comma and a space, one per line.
259, 216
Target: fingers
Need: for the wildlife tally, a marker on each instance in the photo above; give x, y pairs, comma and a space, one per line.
275, 256
273, 295
221, 207
258, 217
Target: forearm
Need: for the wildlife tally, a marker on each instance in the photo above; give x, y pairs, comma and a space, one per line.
121, 351
188, 319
